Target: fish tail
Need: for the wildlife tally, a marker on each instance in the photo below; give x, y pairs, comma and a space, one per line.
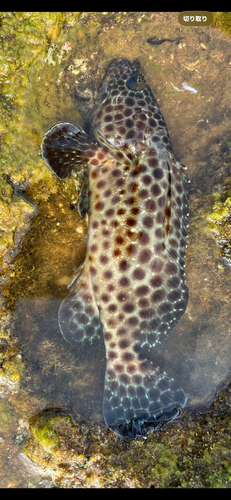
135, 403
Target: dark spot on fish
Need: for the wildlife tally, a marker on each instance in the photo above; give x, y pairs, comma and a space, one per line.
124, 265
129, 123
132, 321
119, 240
107, 275
130, 134
158, 174
138, 274
109, 128
129, 101
148, 221
130, 222
144, 256
121, 297
143, 193
143, 238
103, 259
142, 290
156, 281
124, 282
128, 308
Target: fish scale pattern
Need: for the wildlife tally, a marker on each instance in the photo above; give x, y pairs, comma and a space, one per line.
132, 286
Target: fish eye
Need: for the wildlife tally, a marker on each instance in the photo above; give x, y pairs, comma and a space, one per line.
131, 83
136, 82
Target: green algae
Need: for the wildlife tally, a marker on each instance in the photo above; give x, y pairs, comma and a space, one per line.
222, 20
49, 270
45, 435
219, 219
14, 433
12, 366
197, 456
53, 433
11, 371
166, 468
24, 42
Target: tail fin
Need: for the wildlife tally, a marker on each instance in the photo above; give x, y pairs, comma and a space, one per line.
134, 403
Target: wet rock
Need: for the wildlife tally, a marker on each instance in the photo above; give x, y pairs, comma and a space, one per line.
80, 456
219, 220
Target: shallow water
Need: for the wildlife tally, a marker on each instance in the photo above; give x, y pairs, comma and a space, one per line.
197, 352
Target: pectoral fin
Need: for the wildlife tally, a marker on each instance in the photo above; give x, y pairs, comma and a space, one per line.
78, 314
66, 145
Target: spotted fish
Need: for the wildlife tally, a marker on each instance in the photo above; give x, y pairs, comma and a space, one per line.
131, 287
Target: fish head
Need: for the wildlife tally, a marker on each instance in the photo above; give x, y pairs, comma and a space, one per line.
129, 73
123, 116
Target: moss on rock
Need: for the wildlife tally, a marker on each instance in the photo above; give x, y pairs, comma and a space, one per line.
197, 455
219, 219
222, 20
